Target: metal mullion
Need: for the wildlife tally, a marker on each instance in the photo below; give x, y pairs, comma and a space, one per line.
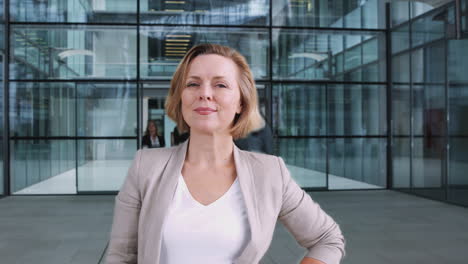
6, 102
447, 121
389, 97
410, 57
139, 91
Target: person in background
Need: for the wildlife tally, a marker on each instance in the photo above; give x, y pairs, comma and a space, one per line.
152, 139
177, 138
205, 200
257, 141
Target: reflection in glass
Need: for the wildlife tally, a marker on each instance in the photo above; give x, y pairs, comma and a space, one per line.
401, 162
334, 14
400, 39
401, 68
65, 52
42, 109
43, 166
458, 60
458, 167
300, 110
204, 12
401, 110
427, 29
122, 11
106, 109
357, 163
427, 166
162, 48
327, 55
429, 110
103, 164
305, 159
356, 110
400, 11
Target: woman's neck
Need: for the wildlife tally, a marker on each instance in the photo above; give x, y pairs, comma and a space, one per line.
210, 150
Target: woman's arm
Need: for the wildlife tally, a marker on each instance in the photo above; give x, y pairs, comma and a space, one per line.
309, 224
311, 261
124, 235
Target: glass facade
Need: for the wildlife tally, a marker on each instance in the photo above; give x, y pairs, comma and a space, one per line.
428, 96
348, 108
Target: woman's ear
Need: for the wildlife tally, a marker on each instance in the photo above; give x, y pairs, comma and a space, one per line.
239, 108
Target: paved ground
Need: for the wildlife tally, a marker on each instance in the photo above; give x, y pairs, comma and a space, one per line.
380, 227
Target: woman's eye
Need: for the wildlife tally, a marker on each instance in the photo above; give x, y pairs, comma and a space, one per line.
192, 84
221, 85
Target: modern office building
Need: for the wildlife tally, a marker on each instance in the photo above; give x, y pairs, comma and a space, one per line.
360, 94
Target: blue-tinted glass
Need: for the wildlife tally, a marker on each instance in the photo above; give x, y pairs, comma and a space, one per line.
401, 68
331, 14
103, 164
205, 12
42, 109
122, 11
43, 166
401, 156
305, 159
325, 55
428, 28
401, 110
162, 48
106, 109
458, 166
400, 11
400, 39
300, 110
66, 52
356, 110
458, 60
357, 163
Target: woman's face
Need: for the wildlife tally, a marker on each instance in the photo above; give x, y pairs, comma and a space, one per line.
211, 96
151, 128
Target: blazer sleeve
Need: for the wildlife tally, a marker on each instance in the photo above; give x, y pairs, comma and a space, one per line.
308, 223
124, 235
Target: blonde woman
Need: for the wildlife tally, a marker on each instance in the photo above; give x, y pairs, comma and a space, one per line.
206, 201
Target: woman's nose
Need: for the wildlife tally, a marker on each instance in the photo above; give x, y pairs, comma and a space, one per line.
206, 92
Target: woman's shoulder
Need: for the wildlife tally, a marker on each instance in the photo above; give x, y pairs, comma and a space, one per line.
261, 159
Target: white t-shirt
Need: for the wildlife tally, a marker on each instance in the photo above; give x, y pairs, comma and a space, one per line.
212, 234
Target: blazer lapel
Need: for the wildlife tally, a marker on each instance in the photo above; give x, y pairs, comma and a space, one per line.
247, 184
162, 195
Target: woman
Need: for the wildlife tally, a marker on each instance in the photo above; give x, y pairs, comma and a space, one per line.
206, 201
152, 139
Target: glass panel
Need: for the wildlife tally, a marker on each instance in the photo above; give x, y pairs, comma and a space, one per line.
162, 48
43, 166
64, 52
356, 110
427, 167
299, 109
203, 12
401, 162
401, 68
400, 39
357, 163
458, 101
108, 11
427, 29
401, 111
325, 55
419, 7
458, 166
42, 109
334, 14
103, 164
305, 159
458, 60
106, 109
400, 11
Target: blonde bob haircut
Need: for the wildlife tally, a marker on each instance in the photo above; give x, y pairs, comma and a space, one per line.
247, 121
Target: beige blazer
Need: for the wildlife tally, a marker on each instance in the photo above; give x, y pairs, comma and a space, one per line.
269, 193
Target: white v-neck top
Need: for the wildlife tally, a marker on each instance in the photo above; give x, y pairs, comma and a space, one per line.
210, 234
